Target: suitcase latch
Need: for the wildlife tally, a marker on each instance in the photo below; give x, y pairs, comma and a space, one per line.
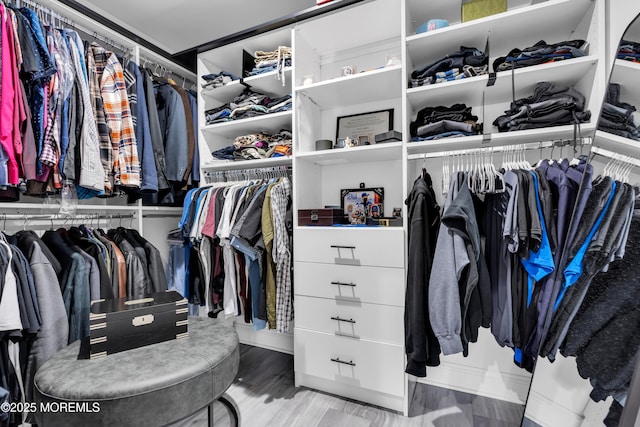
142, 320
314, 215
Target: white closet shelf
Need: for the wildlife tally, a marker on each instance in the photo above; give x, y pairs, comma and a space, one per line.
470, 90
162, 209
359, 229
223, 165
380, 84
560, 18
555, 133
267, 83
54, 207
364, 154
268, 122
229, 57
420, 11
617, 143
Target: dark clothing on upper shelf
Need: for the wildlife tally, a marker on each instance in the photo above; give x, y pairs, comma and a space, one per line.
466, 56
539, 53
628, 51
617, 117
550, 105
441, 121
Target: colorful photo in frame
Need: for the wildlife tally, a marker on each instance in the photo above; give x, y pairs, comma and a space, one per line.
358, 204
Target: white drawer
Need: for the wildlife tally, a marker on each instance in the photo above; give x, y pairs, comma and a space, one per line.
379, 246
359, 363
355, 320
359, 284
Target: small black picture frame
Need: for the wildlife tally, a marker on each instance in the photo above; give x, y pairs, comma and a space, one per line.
358, 204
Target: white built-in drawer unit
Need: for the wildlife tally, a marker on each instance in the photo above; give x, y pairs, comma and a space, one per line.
374, 322
379, 285
349, 305
378, 247
356, 363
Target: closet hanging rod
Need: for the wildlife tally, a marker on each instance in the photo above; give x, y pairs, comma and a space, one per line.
501, 148
125, 43
57, 216
53, 15
615, 156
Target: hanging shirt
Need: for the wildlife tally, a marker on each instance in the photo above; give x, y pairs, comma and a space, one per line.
126, 164
92, 175
9, 133
149, 172
280, 194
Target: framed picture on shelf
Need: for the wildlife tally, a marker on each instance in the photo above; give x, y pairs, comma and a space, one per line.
365, 126
358, 204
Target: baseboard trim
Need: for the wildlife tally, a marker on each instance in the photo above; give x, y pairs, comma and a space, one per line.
470, 379
265, 338
546, 412
395, 403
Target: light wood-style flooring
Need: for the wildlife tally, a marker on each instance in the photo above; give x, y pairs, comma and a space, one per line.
265, 393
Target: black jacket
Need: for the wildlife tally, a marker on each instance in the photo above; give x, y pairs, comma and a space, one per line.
421, 344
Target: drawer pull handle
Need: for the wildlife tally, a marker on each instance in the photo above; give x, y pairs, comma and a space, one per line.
342, 247
340, 319
353, 285
337, 360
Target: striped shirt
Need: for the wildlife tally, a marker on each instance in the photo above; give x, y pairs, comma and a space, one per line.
126, 164
104, 138
280, 194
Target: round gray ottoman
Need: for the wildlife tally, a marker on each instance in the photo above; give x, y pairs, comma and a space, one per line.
154, 385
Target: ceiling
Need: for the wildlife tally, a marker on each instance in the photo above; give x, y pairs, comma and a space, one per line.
177, 26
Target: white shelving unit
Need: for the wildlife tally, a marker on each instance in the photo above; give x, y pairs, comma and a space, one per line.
318, 176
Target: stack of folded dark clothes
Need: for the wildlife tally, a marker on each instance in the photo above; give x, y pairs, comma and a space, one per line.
540, 53
629, 51
213, 81
619, 118
261, 145
248, 104
466, 62
444, 122
550, 105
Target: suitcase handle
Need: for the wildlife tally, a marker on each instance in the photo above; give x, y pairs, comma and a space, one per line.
139, 301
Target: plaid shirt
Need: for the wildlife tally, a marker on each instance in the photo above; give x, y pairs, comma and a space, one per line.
280, 194
104, 139
126, 165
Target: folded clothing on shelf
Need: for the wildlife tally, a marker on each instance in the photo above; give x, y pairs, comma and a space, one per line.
629, 51
266, 61
540, 53
619, 118
466, 62
217, 79
248, 104
261, 145
550, 105
444, 122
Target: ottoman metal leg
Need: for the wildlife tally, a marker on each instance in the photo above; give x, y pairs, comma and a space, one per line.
232, 407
